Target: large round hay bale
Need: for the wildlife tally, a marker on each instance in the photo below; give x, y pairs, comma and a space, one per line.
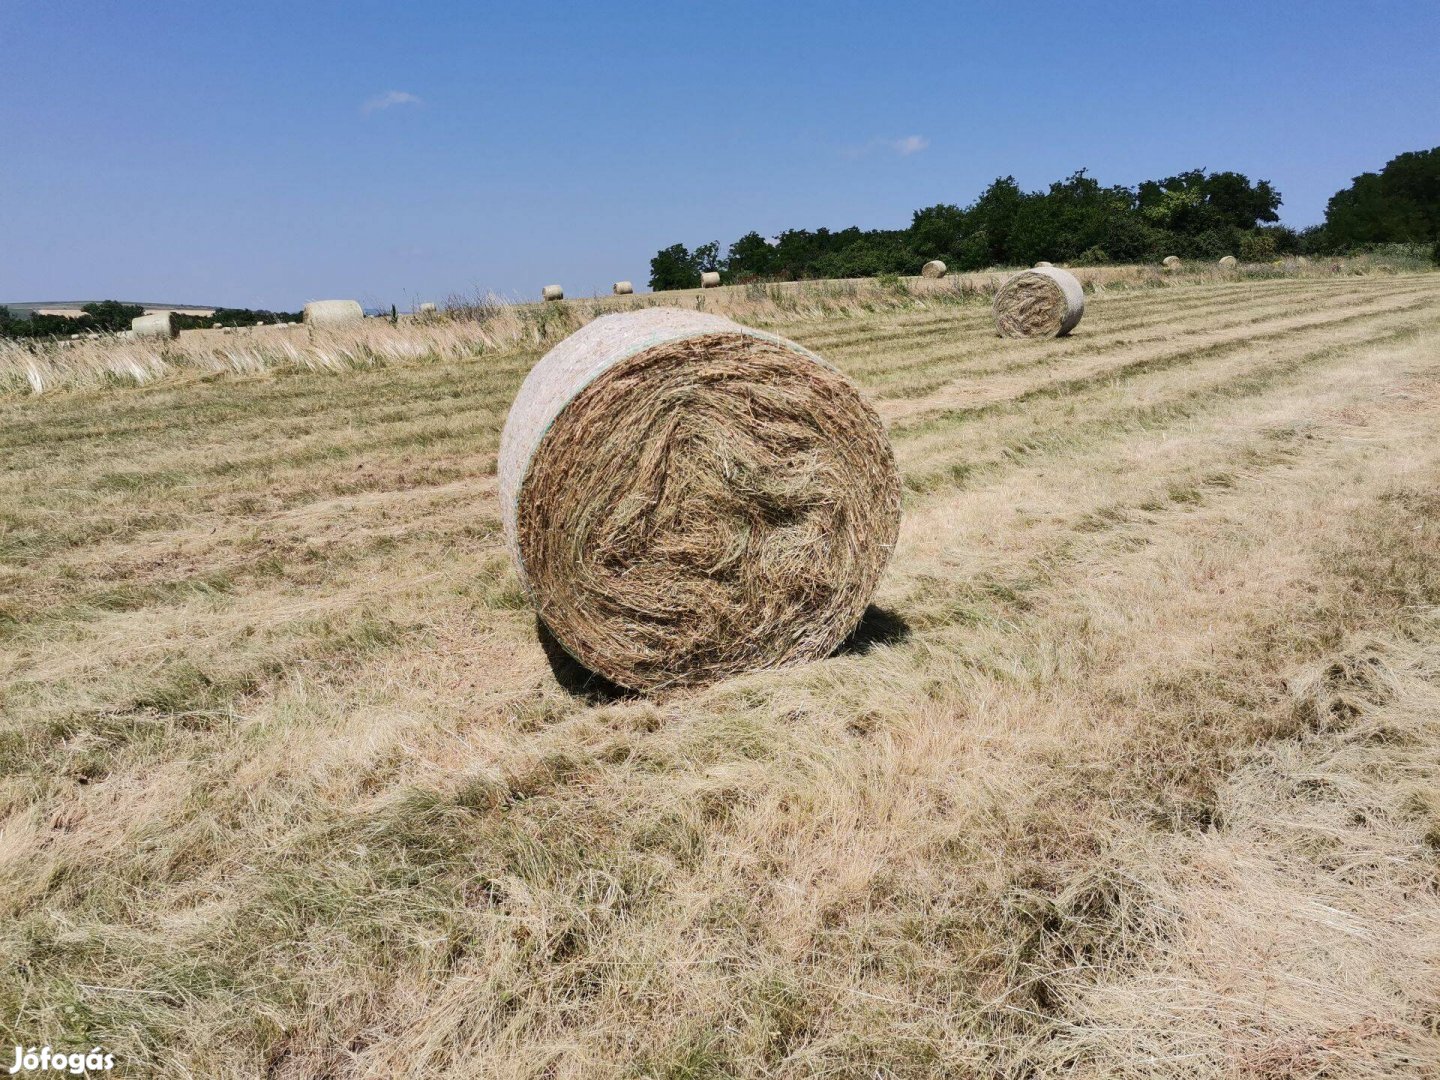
333, 312
1042, 302
622, 288
710, 279
686, 498
1228, 262
552, 292
160, 325
934, 269
1171, 262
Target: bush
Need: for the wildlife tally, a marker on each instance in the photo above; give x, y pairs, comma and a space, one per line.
1257, 246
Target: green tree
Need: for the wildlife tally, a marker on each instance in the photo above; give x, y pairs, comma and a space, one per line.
751, 258
674, 268
1399, 204
111, 315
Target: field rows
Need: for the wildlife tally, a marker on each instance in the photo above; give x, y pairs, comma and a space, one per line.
284, 764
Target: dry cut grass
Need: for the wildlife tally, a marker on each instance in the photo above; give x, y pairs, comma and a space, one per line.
1132, 772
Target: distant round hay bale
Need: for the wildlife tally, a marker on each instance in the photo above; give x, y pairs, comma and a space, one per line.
933, 269
552, 292
622, 288
428, 309
332, 313
214, 326
710, 279
686, 498
1042, 263
1041, 302
1228, 262
1171, 262
160, 325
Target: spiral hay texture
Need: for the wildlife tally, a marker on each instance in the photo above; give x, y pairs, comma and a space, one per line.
552, 292
333, 312
934, 268
710, 279
155, 326
622, 288
686, 498
1043, 302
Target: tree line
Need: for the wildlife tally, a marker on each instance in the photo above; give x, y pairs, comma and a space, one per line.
112, 316
1195, 214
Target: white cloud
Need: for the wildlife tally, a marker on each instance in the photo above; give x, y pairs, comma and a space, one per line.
905, 146
910, 144
389, 98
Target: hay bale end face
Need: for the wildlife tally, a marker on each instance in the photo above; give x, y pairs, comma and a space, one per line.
552, 292
686, 498
1228, 262
933, 269
1171, 262
333, 312
710, 279
161, 326
622, 288
1042, 302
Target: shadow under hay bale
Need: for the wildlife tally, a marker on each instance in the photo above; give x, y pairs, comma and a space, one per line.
878, 626
574, 677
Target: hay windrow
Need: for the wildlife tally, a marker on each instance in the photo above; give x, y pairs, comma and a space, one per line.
706, 500
1043, 302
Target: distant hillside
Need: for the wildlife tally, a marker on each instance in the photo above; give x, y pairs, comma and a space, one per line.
24, 308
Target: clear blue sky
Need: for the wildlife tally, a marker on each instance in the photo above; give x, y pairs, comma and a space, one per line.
269, 153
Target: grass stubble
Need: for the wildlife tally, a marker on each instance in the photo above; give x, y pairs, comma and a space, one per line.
1143, 785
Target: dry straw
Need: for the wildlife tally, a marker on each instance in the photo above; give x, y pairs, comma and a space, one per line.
427, 310
333, 312
1228, 262
622, 288
1042, 302
934, 269
553, 292
1171, 262
161, 325
710, 279
686, 498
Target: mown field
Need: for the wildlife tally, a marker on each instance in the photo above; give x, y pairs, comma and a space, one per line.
1133, 771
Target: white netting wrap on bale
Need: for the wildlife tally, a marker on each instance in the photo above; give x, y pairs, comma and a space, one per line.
934, 268
710, 279
686, 498
1042, 302
622, 288
333, 312
161, 325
